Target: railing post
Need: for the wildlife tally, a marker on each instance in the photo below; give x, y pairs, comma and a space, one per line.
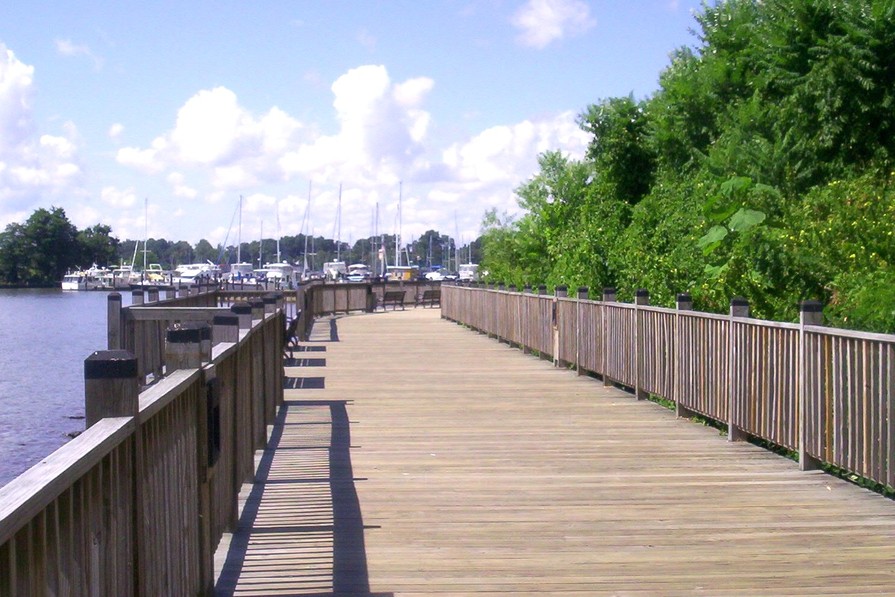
739, 307
152, 292
684, 302
581, 296
641, 297
111, 385
136, 297
559, 292
608, 297
112, 389
243, 310
270, 303
188, 346
113, 322
810, 313
257, 308
225, 329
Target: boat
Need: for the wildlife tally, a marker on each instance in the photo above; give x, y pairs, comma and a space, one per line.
335, 270
358, 272
282, 274
93, 278
195, 273
468, 272
74, 281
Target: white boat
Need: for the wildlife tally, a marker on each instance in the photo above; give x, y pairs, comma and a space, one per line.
468, 272
94, 278
281, 274
194, 273
335, 270
358, 272
74, 281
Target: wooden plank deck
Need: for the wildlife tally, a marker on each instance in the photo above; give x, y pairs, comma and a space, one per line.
421, 458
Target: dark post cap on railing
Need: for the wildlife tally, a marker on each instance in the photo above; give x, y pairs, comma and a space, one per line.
241, 308
268, 299
562, 288
542, 289
684, 297
583, 290
114, 296
608, 290
188, 332
739, 301
110, 364
811, 307
641, 292
256, 303
225, 320
527, 288
512, 288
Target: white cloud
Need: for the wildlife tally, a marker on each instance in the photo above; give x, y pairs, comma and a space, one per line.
35, 169
115, 131
381, 138
65, 47
541, 22
118, 198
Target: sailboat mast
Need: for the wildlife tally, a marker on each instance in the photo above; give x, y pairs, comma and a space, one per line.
398, 236
145, 228
306, 227
239, 233
339, 229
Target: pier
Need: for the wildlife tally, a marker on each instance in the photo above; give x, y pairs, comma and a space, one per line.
503, 444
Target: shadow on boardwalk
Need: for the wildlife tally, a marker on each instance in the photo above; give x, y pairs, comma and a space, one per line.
301, 531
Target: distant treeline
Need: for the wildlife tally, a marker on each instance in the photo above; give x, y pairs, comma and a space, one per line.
761, 168
40, 251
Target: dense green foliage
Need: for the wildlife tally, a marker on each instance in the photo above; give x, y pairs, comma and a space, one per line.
40, 251
761, 168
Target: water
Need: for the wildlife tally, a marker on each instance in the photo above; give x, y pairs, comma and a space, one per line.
45, 335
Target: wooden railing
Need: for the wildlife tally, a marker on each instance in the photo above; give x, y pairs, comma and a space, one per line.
137, 503
823, 393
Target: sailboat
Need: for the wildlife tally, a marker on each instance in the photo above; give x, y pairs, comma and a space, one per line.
241, 272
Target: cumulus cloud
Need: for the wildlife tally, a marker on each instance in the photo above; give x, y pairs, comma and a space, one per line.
215, 133
34, 168
541, 22
381, 137
115, 131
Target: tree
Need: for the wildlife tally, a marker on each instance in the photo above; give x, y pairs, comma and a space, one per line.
97, 246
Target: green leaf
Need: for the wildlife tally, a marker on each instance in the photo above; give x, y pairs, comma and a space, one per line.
714, 235
715, 271
744, 219
732, 186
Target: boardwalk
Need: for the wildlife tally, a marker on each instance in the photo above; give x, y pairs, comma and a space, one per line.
415, 457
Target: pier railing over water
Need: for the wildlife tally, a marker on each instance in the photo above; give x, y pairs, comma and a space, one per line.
138, 502
824, 393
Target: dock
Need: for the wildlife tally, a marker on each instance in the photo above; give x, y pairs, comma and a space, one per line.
415, 456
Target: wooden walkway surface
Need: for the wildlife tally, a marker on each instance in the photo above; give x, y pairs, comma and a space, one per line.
416, 457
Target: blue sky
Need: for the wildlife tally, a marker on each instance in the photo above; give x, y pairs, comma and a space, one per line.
106, 107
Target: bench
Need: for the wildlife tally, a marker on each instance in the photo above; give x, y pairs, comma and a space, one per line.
393, 298
430, 297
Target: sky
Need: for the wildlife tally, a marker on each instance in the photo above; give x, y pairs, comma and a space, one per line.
155, 117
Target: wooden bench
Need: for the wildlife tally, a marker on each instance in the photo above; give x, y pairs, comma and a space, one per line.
429, 297
393, 298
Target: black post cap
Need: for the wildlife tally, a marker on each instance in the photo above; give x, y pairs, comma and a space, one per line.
110, 364
225, 320
739, 301
811, 307
582, 290
641, 292
562, 288
188, 332
608, 290
241, 308
114, 296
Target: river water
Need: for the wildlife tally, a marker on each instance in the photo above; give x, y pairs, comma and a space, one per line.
45, 335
